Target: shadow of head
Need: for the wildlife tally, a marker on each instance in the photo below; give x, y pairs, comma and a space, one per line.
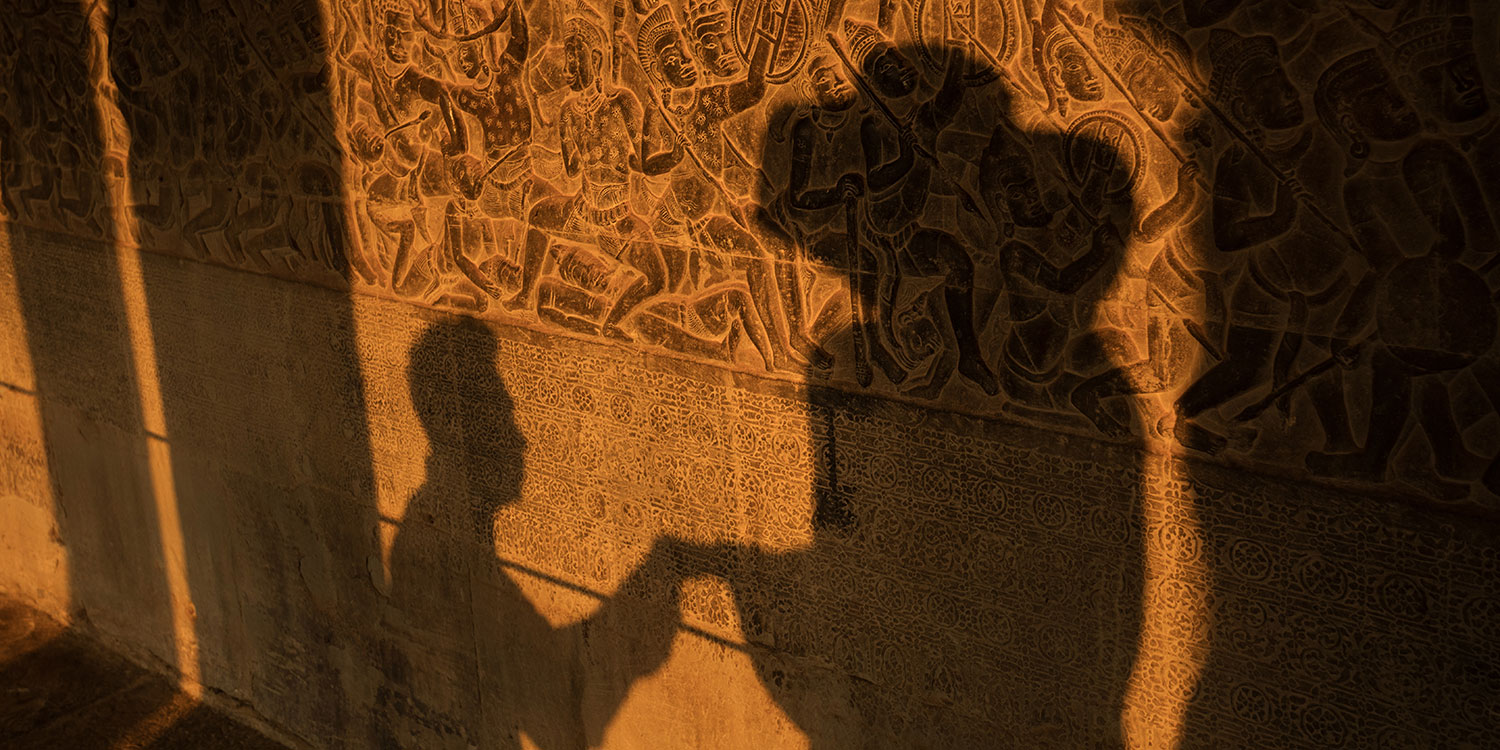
925, 213
474, 446
949, 253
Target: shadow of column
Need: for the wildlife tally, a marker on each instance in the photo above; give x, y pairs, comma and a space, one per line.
234, 166
59, 221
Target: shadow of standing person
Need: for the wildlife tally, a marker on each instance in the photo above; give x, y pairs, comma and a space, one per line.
474, 468
470, 659
968, 583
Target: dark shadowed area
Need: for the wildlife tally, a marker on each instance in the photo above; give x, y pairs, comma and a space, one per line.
750, 373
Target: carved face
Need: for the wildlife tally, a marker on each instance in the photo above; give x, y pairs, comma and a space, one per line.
127, 69
1454, 88
1075, 75
1381, 113
367, 142
235, 50
471, 60
1017, 186
270, 48
709, 41
1267, 97
830, 90
891, 73
694, 197
1153, 88
467, 174
915, 332
581, 62
161, 60
673, 60
397, 37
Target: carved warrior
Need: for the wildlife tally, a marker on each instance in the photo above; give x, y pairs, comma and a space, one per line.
1399, 319
404, 99
827, 99
661, 51
1048, 262
600, 132
1439, 67
1247, 78
503, 111
707, 178
1402, 313
1359, 103
897, 188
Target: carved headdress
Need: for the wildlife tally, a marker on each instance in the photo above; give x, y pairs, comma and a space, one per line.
1350, 76
1120, 49
1442, 44
393, 11
708, 22
1152, 38
1347, 76
585, 29
707, 15
1229, 54
864, 40
658, 27
1045, 40
1047, 34
1430, 41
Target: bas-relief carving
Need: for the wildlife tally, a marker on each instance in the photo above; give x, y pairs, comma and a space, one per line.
1264, 217
1307, 276
984, 588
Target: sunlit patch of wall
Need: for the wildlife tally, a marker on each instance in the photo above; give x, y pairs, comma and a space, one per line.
615, 464
422, 486
1165, 346
36, 570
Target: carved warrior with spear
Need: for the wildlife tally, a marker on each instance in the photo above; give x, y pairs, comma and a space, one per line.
1188, 168
966, 199
1129, 95
601, 135
1235, 130
753, 242
897, 192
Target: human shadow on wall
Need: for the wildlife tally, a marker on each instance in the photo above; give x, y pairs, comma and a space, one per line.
467, 655
974, 591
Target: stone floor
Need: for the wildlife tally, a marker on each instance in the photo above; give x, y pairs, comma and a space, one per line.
58, 689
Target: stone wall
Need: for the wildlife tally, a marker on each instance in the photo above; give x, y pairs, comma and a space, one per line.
783, 374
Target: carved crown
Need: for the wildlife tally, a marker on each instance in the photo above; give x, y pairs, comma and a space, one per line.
706, 15
864, 40
1428, 41
658, 27
1229, 53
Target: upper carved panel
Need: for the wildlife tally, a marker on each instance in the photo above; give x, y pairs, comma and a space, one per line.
1270, 223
